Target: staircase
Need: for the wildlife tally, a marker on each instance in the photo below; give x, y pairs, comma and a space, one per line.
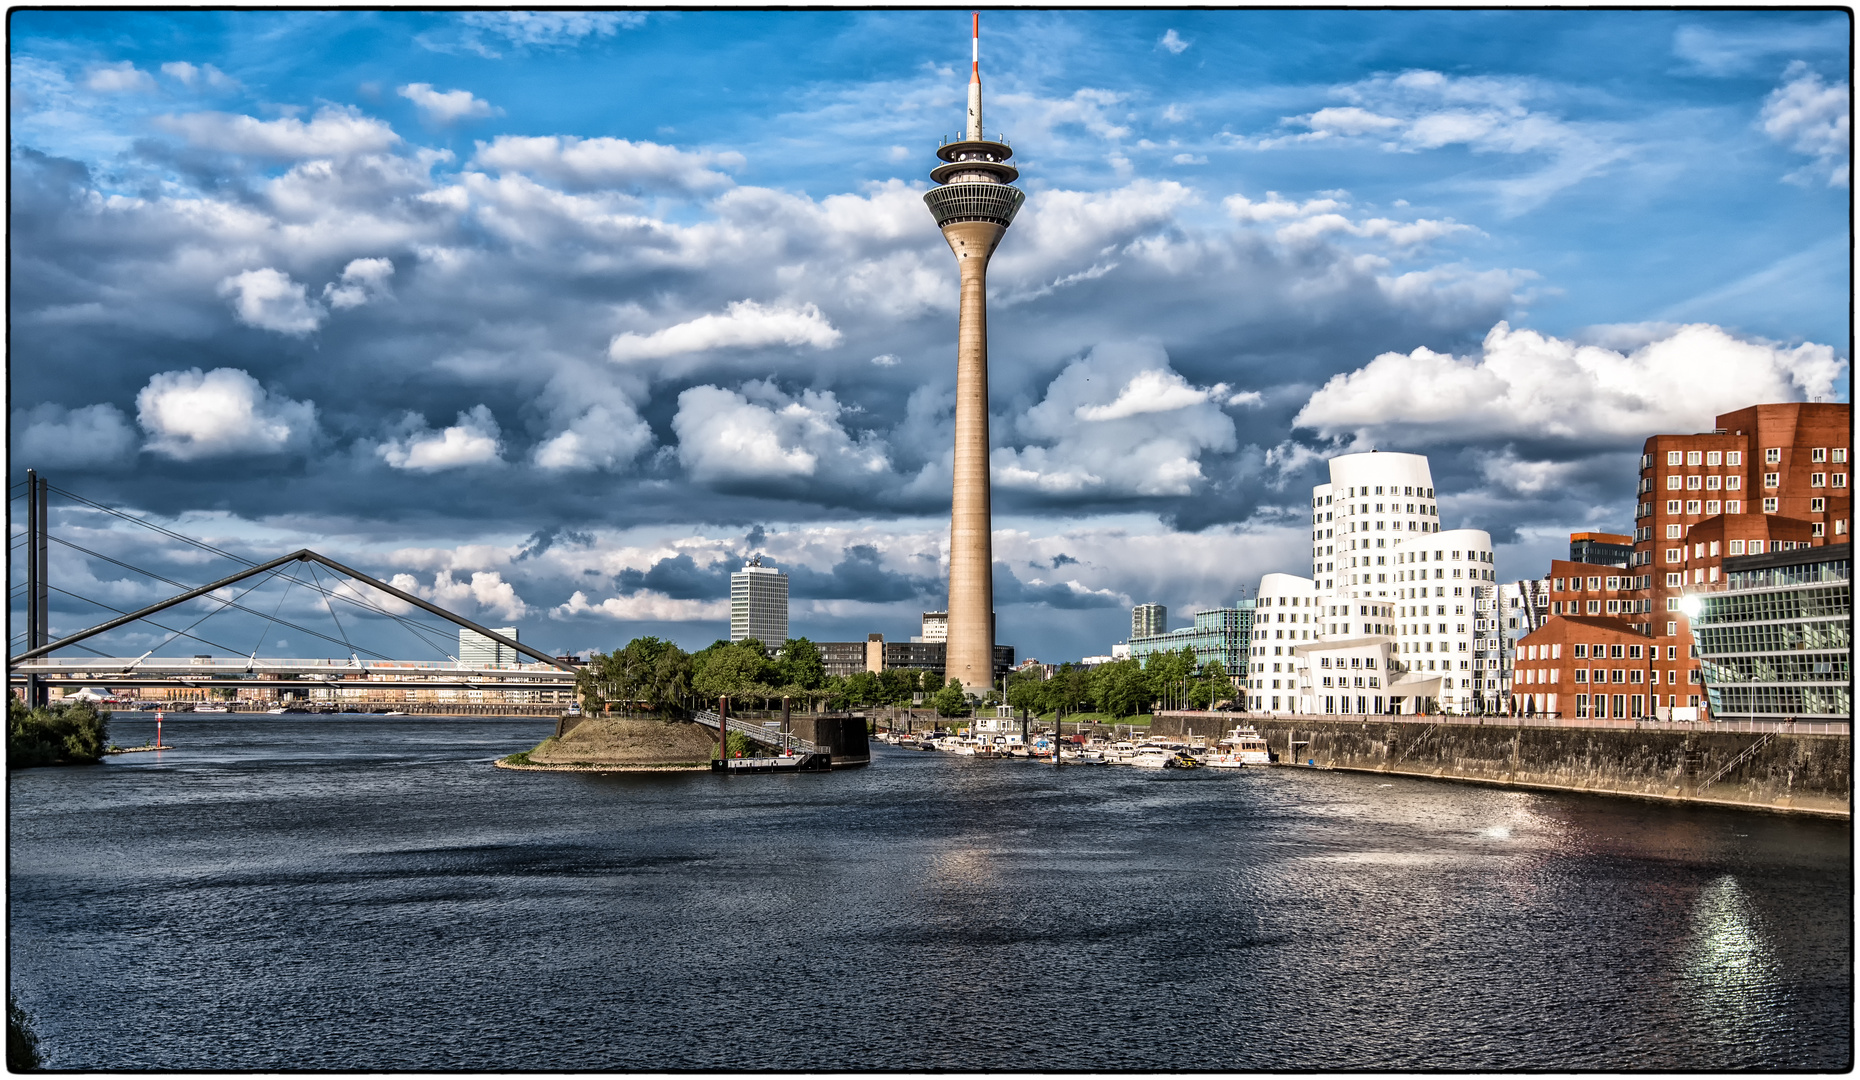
755, 732
1748, 752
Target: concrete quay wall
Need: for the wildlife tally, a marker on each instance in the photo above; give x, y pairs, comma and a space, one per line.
1795, 773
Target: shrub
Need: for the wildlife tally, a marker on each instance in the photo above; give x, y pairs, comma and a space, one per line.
65, 733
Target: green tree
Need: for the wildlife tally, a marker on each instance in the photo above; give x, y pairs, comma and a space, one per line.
799, 665
951, 701
1120, 688
64, 733
1026, 690
736, 670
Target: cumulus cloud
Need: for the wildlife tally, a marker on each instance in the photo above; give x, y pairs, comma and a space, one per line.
362, 280
602, 437
576, 164
190, 75
473, 440
189, 415
886, 360
745, 324
448, 106
269, 300
762, 433
1811, 117
1173, 42
1529, 385
1317, 219
335, 131
1118, 422
119, 78
645, 605
86, 437
487, 590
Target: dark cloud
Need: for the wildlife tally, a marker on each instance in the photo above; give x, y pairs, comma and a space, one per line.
678, 577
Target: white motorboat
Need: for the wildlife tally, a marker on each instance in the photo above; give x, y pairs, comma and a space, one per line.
1120, 753
1242, 748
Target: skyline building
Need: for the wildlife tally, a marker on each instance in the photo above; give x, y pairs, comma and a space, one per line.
476, 650
1148, 620
759, 604
973, 204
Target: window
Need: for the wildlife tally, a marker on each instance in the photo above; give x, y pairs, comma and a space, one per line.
1582, 652
1674, 532
1675, 554
1672, 604
1693, 483
1675, 457
1672, 506
1736, 548
1734, 506
1692, 506
1820, 529
1673, 581
1713, 457
1692, 457
1840, 479
1819, 453
1674, 482
1771, 479
1734, 483
1557, 586
1819, 479
1773, 456
1817, 506
1769, 506
1711, 506
1713, 483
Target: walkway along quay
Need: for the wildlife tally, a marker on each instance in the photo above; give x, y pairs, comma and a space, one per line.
1802, 768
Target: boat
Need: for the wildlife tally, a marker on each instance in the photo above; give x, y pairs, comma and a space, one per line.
211, 708
1085, 756
1119, 753
279, 711
1240, 749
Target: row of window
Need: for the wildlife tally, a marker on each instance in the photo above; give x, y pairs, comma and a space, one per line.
1773, 637
1697, 457
1711, 507
1595, 584
1676, 482
1600, 607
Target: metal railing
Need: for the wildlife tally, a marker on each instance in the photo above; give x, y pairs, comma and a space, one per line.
1781, 727
781, 740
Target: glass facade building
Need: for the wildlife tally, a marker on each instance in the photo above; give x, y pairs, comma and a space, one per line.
1223, 634
1776, 642
759, 604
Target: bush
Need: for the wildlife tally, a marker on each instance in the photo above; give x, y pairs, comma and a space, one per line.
66, 733
951, 701
22, 1045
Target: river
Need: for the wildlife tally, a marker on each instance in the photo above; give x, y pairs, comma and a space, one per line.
369, 893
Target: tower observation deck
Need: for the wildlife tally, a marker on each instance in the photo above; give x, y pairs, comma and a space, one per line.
973, 203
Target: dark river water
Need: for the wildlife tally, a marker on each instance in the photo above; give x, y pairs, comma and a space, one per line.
296, 892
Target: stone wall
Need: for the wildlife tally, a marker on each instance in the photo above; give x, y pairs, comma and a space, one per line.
1788, 772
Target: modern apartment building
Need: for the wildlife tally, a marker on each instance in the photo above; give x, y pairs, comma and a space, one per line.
1601, 549
1223, 634
1148, 620
759, 604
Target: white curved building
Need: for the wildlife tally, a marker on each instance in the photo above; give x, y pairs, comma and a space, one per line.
1287, 613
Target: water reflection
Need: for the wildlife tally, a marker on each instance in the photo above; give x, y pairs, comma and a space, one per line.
1728, 971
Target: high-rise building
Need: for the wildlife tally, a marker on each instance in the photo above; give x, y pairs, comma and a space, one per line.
1223, 634
973, 203
1148, 620
476, 650
1777, 641
935, 626
759, 604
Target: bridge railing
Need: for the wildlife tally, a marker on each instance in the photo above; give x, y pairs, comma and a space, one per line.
1782, 727
103, 668
781, 740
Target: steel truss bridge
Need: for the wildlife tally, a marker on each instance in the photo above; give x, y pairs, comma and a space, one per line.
37, 668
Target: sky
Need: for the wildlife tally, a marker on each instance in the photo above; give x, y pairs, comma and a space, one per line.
555, 317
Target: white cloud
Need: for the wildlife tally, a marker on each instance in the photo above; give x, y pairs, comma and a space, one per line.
474, 440
549, 29
362, 280
600, 438
886, 360
90, 436
745, 324
448, 106
487, 590
118, 78
586, 164
1811, 117
645, 605
269, 300
189, 415
190, 74
761, 433
1526, 384
335, 131
1173, 42
1144, 428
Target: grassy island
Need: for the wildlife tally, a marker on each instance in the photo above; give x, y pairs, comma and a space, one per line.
621, 744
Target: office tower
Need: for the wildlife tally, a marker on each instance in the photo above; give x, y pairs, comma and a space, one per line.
476, 650
759, 604
1148, 620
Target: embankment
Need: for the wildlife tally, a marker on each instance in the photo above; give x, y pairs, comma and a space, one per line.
1795, 773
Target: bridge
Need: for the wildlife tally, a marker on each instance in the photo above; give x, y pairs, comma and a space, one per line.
46, 663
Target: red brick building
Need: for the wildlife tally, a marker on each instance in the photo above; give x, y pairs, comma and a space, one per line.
1590, 589
1602, 668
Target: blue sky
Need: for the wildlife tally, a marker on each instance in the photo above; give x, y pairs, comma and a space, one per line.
560, 314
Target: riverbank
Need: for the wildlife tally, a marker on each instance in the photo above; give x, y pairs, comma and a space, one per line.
507, 763
618, 744
1778, 771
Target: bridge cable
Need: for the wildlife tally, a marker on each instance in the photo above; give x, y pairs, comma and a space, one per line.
273, 621
331, 608
178, 585
151, 622
412, 624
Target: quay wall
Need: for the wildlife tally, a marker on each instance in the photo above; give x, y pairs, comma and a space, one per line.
1781, 771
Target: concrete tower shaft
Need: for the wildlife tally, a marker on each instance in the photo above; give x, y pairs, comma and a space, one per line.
973, 205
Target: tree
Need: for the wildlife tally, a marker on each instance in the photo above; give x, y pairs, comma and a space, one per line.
732, 669
64, 733
647, 671
950, 700
1120, 688
799, 665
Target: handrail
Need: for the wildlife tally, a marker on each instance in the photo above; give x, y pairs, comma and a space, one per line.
781, 740
1780, 727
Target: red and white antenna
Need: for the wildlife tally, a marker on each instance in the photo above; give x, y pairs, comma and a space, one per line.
975, 77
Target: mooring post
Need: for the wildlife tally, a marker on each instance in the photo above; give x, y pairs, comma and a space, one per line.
723, 727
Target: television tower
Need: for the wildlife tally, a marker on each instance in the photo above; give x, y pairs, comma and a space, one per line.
973, 203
